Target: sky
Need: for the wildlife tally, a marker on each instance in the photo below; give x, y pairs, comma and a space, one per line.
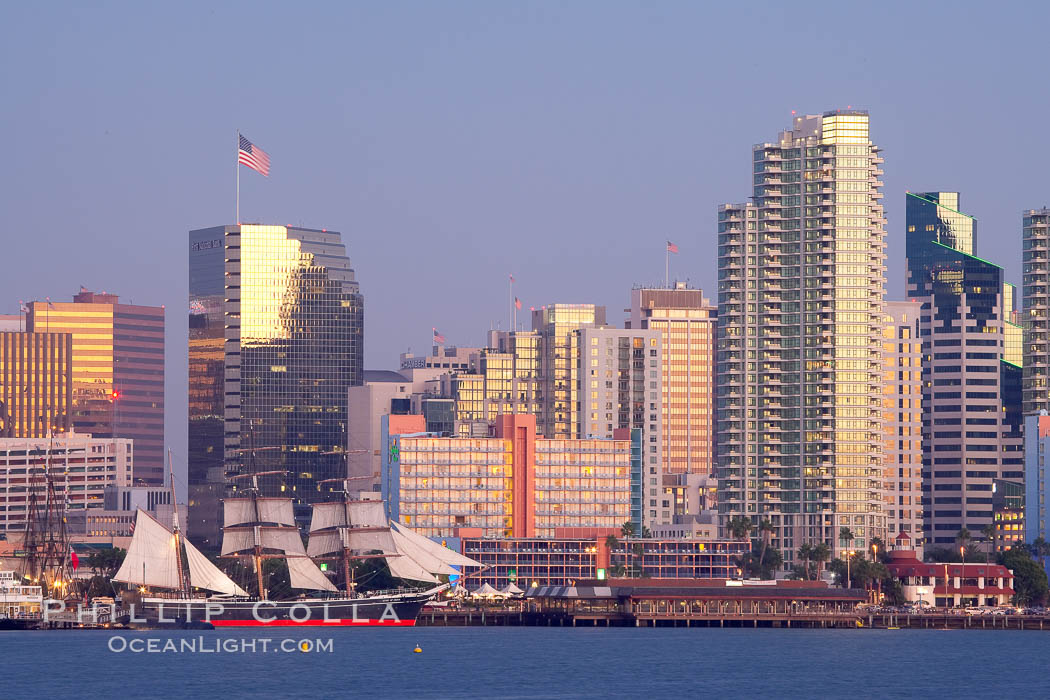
456, 143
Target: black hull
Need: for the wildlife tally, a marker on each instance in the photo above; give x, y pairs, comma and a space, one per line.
195, 613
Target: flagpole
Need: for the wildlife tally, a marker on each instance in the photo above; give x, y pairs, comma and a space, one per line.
513, 320
667, 266
237, 164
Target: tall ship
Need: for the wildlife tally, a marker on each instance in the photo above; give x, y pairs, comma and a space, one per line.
257, 529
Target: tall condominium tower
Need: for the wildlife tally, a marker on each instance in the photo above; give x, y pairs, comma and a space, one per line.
559, 358
620, 383
36, 383
276, 340
801, 284
902, 419
118, 371
1036, 317
971, 385
687, 324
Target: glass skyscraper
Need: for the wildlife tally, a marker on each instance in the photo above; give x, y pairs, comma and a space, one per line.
971, 432
276, 339
801, 284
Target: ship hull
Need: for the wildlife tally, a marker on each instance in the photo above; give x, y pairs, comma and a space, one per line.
377, 611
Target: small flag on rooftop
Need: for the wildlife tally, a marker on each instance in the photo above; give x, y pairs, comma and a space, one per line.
672, 248
254, 157
438, 338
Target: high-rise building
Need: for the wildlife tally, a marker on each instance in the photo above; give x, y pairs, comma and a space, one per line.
511, 484
971, 399
1036, 457
620, 383
118, 371
82, 467
1036, 306
800, 300
36, 383
902, 418
687, 324
559, 359
276, 340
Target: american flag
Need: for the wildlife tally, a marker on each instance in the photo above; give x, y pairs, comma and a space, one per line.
438, 338
517, 303
254, 157
672, 248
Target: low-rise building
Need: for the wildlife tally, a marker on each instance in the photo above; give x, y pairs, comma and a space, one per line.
947, 584
567, 557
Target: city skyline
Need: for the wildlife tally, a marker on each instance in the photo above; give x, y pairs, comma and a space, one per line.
418, 148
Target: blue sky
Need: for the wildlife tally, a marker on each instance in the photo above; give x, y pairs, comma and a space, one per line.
453, 143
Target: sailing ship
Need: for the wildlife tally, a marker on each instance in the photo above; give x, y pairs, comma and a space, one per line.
258, 528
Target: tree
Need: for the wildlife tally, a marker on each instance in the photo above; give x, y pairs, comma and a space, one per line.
739, 528
1030, 581
805, 554
990, 532
821, 553
627, 529
847, 536
765, 532
762, 565
880, 549
962, 537
1040, 547
105, 562
611, 543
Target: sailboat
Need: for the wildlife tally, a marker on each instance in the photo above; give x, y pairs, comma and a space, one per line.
257, 528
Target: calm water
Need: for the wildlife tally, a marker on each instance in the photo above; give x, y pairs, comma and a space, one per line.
535, 662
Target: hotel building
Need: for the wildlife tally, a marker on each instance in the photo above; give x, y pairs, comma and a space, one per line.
82, 469
513, 484
1036, 317
118, 371
902, 418
801, 278
36, 383
276, 340
971, 401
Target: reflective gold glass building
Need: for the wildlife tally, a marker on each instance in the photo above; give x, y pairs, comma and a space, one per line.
276, 339
36, 383
559, 362
118, 371
801, 282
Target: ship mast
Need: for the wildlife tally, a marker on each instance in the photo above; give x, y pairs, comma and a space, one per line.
175, 528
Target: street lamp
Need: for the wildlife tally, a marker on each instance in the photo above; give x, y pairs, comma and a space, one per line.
849, 553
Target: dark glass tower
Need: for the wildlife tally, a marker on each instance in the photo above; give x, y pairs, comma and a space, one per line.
276, 339
971, 392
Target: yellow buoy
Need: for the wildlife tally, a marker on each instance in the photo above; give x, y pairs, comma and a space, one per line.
417, 650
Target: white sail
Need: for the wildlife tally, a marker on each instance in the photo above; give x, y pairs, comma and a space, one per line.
424, 559
367, 514
240, 539
443, 553
407, 568
237, 540
236, 511
362, 540
304, 574
204, 574
275, 510
322, 543
152, 558
326, 515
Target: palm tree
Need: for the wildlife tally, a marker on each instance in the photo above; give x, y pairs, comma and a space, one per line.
805, 553
991, 533
962, 538
821, 553
765, 531
627, 529
847, 536
739, 528
611, 542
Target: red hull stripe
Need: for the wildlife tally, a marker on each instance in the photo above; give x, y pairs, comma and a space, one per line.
315, 623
